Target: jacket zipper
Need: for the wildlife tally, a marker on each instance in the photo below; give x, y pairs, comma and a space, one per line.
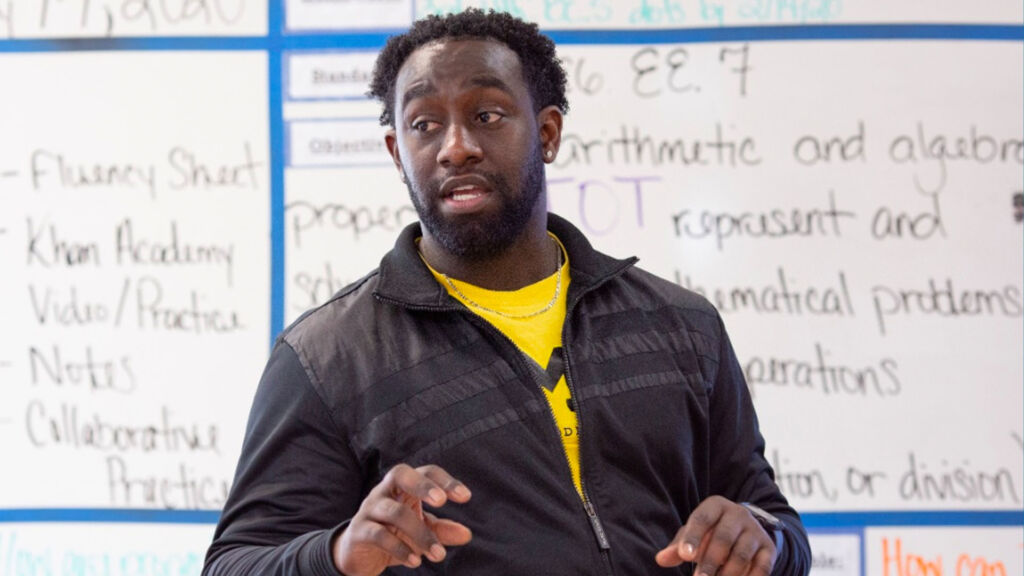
588, 507
595, 521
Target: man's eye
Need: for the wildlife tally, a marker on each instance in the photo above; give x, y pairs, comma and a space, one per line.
488, 117
422, 125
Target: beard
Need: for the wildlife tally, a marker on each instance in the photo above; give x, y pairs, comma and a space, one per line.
482, 236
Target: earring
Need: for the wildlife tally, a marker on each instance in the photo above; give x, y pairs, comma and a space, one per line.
548, 154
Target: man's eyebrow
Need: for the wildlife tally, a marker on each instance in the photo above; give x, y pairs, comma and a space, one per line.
428, 89
417, 91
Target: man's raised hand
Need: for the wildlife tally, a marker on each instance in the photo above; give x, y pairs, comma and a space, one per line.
723, 539
391, 528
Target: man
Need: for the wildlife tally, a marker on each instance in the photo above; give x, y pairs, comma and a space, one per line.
498, 397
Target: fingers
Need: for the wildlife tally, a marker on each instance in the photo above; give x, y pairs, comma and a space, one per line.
404, 522
430, 484
679, 550
452, 488
692, 539
700, 524
722, 539
407, 487
738, 560
380, 538
764, 562
391, 527
448, 532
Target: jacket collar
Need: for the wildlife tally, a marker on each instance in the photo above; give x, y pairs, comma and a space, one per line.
405, 279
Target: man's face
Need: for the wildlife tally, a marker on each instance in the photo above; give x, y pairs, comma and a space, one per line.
469, 146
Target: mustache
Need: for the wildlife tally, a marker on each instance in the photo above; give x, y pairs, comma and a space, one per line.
496, 182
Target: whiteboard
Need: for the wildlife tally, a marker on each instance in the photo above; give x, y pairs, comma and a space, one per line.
839, 178
827, 209
137, 264
25, 19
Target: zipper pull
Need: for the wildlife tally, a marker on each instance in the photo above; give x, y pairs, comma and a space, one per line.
595, 523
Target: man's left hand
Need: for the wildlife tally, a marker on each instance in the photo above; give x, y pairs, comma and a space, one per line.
723, 539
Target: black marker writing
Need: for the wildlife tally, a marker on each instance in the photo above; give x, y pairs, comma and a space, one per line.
889, 223
634, 147
53, 169
316, 288
783, 296
189, 171
154, 14
53, 366
811, 150
647, 62
743, 68
188, 489
67, 425
809, 483
941, 298
776, 223
172, 250
820, 374
358, 220
47, 248
154, 311
924, 148
585, 80
955, 483
51, 306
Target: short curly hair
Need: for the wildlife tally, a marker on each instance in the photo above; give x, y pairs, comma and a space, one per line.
543, 72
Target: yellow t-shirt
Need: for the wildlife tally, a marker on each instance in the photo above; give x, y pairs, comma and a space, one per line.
538, 337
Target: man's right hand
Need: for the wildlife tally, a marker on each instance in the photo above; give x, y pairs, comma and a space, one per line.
391, 528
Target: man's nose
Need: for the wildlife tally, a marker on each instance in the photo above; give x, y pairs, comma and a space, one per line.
459, 146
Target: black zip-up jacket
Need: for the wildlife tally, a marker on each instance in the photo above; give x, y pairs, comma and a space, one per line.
392, 369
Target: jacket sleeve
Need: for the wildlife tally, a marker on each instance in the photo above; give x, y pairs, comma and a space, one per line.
739, 470
296, 484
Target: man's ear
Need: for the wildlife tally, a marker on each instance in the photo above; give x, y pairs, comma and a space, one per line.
549, 123
391, 141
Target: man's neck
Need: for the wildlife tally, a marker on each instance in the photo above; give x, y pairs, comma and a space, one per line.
530, 258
